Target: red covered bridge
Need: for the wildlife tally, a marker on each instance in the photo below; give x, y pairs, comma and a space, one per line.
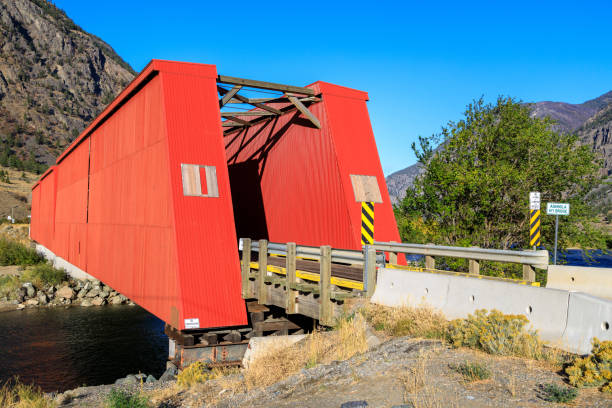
151, 197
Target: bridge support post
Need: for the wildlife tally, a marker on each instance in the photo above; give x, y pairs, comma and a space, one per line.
528, 273
291, 279
263, 271
326, 307
246, 267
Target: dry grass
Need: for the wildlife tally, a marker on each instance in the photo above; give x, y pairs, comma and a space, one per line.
18, 395
419, 389
343, 343
423, 321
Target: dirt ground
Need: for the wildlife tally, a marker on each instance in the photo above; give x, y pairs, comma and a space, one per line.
402, 372
17, 194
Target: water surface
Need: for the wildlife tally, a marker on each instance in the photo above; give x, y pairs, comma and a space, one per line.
66, 347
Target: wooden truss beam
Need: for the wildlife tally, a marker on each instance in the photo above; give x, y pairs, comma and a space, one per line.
264, 85
300, 106
238, 120
248, 113
229, 94
259, 105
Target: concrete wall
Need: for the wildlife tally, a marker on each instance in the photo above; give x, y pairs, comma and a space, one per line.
565, 319
594, 281
61, 263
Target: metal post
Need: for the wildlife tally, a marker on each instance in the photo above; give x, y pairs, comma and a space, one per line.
556, 234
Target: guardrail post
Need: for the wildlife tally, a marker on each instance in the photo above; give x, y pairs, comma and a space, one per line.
291, 279
528, 273
369, 269
263, 271
430, 262
393, 256
474, 267
326, 307
246, 267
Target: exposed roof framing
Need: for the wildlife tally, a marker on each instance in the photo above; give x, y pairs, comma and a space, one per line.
297, 98
222, 79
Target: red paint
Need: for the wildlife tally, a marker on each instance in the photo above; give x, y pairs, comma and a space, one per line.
299, 188
114, 206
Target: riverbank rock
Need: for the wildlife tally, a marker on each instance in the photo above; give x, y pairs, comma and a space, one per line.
98, 301
170, 373
115, 300
65, 292
86, 303
31, 302
30, 290
94, 292
42, 298
150, 379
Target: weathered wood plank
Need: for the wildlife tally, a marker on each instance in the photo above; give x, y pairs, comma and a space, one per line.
291, 278
228, 94
264, 85
300, 106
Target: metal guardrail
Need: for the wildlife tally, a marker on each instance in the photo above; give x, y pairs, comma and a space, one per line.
529, 259
538, 259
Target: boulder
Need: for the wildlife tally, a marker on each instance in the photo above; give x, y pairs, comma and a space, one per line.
130, 379
20, 307
42, 298
20, 294
169, 374
123, 298
86, 303
82, 293
104, 294
94, 292
115, 300
65, 292
150, 379
31, 302
98, 301
30, 290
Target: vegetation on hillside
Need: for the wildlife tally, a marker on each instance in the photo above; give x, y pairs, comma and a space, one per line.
475, 191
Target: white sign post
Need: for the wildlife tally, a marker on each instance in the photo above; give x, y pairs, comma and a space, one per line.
534, 200
557, 209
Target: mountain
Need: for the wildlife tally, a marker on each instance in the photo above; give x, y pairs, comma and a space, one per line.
54, 79
592, 122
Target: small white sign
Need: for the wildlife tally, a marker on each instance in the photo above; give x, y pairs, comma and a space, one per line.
557, 209
534, 200
192, 323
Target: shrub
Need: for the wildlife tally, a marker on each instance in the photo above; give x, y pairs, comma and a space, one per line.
496, 333
472, 371
557, 394
15, 253
123, 399
44, 274
595, 370
406, 321
14, 394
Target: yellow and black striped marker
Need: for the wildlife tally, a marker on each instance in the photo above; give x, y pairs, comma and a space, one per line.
534, 228
367, 223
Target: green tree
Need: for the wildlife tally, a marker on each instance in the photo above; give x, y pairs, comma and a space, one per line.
475, 188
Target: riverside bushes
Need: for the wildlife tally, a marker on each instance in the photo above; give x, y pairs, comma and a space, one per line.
15, 253
123, 399
496, 333
595, 370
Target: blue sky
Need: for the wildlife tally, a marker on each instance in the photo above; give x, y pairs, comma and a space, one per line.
420, 62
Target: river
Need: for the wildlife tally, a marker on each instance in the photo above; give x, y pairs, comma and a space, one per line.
67, 347
64, 348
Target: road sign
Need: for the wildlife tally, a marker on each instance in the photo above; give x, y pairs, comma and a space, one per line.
534, 200
557, 209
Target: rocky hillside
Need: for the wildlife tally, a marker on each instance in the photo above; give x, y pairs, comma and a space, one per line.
54, 79
591, 120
